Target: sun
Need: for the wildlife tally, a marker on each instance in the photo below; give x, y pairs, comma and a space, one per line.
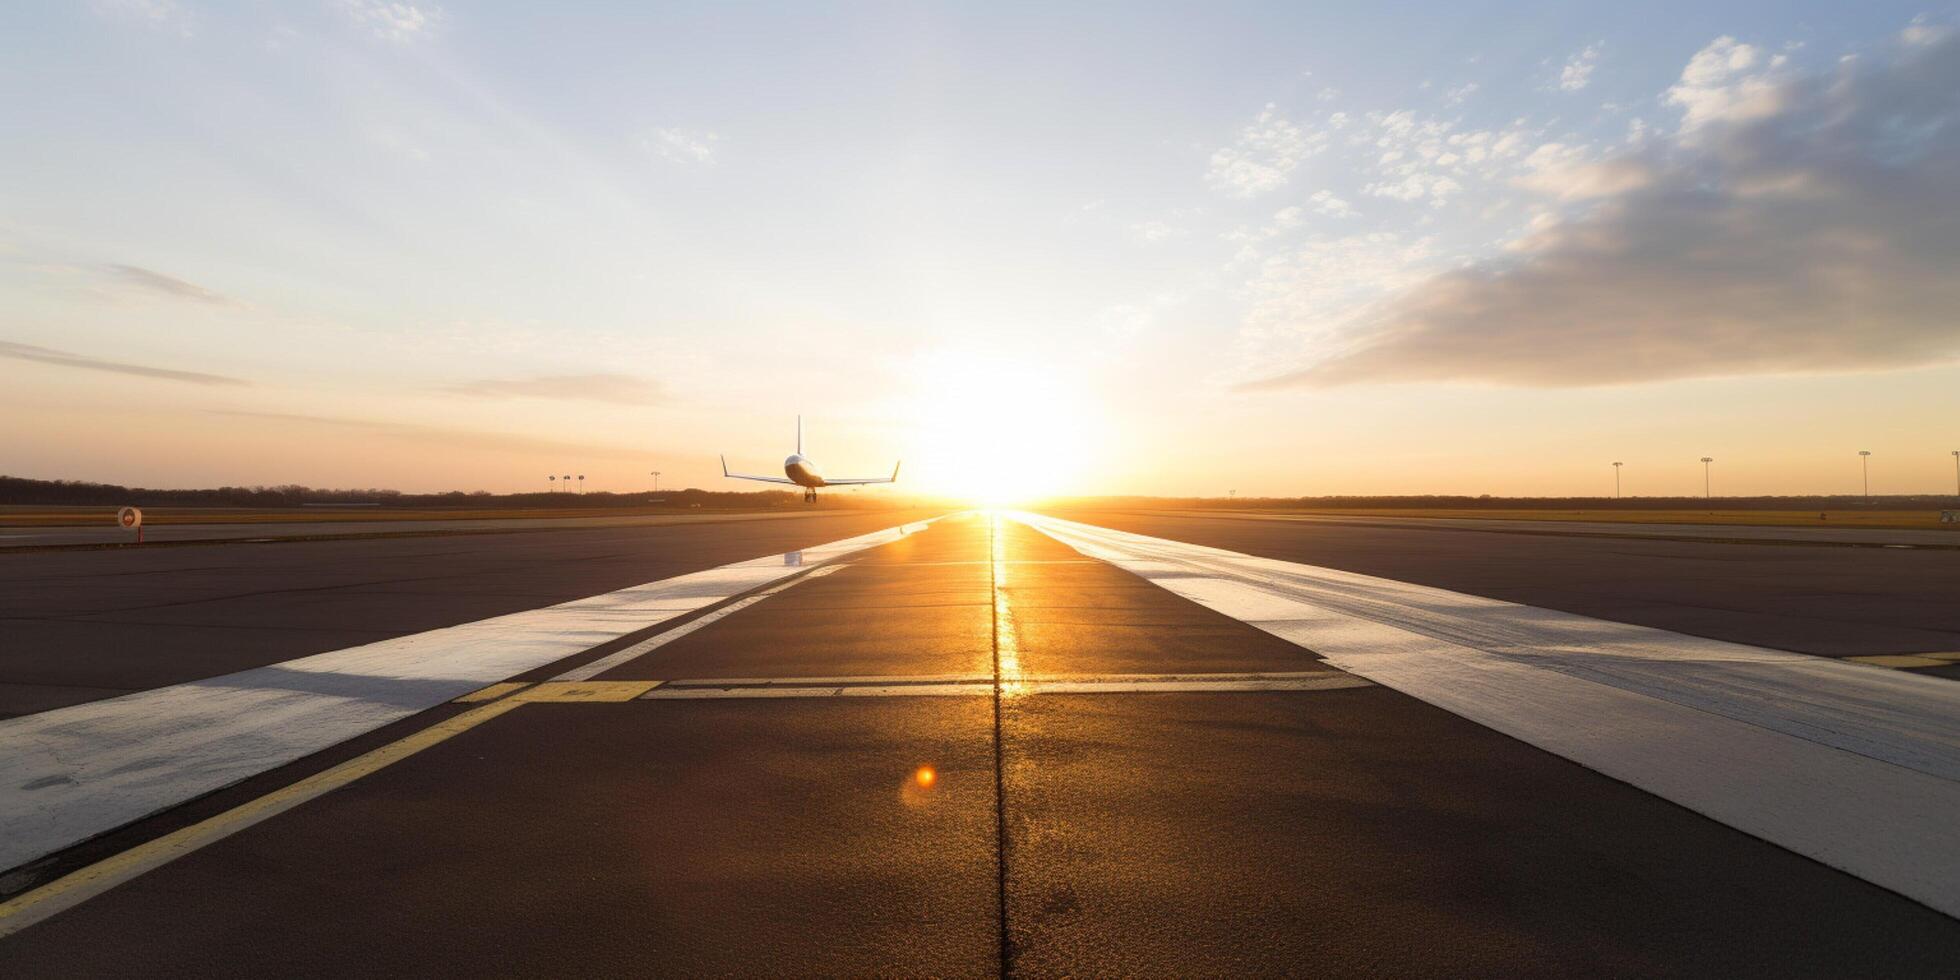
998, 430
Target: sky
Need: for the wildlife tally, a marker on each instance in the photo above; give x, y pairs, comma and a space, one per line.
1028, 248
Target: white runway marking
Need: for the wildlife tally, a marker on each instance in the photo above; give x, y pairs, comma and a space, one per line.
1855, 767
588, 671
982, 685
72, 773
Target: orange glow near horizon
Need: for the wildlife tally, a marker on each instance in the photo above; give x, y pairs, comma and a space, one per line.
994, 430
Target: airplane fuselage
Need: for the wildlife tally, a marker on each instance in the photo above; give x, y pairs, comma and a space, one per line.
803, 471
800, 470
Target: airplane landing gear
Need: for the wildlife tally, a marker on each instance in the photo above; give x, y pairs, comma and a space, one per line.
810, 495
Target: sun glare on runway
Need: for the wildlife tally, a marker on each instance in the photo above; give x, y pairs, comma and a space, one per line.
997, 430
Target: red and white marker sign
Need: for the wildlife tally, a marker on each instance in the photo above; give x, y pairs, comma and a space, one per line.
129, 518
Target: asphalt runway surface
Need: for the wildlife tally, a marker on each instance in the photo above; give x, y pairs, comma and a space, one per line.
84, 625
971, 750
1820, 533
104, 533
1826, 599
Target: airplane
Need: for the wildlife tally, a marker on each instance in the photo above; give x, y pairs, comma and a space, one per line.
800, 470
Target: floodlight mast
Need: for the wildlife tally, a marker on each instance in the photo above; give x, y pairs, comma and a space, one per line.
1707, 486
1616, 479
1865, 463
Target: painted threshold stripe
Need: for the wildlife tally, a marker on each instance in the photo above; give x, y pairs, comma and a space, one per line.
79, 886
70, 774
952, 685
586, 672
1856, 768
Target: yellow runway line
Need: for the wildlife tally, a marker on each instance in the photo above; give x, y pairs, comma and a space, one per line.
587, 691
79, 886
1898, 660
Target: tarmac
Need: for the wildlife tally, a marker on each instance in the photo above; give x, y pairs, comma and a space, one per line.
984, 745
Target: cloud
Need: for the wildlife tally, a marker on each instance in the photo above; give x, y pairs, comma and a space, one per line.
1293, 291
1577, 73
618, 389
1807, 223
1569, 173
146, 280
1728, 81
444, 438
1457, 95
46, 355
683, 145
1153, 232
1425, 160
1325, 202
1263, 156
398, 22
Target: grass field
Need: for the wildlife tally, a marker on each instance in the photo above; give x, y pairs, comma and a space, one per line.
1922, 519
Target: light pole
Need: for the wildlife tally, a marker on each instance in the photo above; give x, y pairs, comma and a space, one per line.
551, 487
1616, 480
1956, 472
568, 482
656, 481
1865, 463
581, 484
1707, 488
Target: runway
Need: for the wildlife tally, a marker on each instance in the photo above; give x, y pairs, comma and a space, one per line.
990, 744
1821, 533
86, 625
104, 533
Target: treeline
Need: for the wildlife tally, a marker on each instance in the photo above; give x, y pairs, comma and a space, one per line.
77, 493
1488, 502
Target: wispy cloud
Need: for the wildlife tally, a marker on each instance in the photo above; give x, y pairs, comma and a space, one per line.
683, 145
398, 22
619, 389
1578, 70
1263, 156
150, 281
1801, 223
59, 358
1570, 173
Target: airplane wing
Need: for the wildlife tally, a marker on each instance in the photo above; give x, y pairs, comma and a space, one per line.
765, 479
855, 481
